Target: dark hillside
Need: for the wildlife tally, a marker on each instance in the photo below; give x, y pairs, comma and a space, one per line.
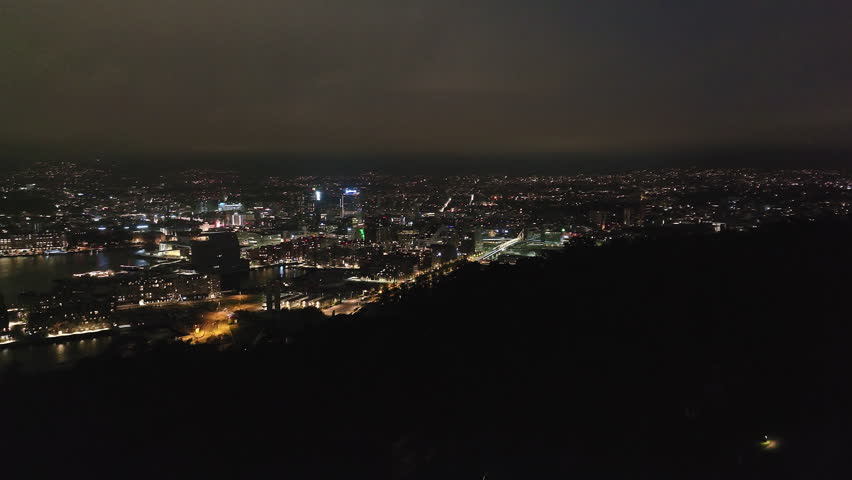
664, 359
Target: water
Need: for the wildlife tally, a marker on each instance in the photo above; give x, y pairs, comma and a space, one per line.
45, 357
19, 274
262, 276
37, 273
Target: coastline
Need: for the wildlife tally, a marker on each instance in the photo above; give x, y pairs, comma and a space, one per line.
29, 342
79, 250
47, 254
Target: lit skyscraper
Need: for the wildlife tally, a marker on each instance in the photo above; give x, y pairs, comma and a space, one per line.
350, 203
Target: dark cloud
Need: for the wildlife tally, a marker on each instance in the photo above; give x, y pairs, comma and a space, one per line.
246, 76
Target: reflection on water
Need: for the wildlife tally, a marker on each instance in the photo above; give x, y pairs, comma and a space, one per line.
18, 274
37, 273
262, 276
60, 353
44, 357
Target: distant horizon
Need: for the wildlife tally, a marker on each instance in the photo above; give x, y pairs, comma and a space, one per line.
467, 163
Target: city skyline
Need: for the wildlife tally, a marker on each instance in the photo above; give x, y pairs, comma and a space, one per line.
383, 225
425, 239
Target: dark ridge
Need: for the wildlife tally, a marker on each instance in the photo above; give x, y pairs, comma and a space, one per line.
660, 359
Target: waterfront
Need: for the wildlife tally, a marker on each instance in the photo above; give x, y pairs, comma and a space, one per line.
37, 273
43, 357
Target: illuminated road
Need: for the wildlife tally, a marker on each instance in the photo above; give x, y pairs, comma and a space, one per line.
499, 249
346, 307
369, 280
212, 325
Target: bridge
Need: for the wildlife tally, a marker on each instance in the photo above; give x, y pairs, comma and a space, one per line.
494, 252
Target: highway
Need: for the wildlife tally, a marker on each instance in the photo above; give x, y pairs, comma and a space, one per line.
499, 249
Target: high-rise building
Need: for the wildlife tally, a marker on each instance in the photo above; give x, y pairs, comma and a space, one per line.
217, 253
645, 208
378, 230
311, 200
350, 203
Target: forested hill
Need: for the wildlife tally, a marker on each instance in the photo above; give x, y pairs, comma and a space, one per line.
662, 359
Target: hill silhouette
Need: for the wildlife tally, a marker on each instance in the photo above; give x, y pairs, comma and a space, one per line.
670, 358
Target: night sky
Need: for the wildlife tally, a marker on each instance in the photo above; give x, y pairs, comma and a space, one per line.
219, 77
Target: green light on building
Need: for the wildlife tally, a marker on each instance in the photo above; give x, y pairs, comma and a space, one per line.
361, 230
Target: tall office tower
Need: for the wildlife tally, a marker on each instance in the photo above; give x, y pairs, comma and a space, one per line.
311, 200
645, 208
378, 229
350, 203
217, 253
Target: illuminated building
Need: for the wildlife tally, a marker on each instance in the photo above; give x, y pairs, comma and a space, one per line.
149, 287
88, 300
77, 302
206, 206
350, 203
311, 200
32, 242
230, 207
235, 220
